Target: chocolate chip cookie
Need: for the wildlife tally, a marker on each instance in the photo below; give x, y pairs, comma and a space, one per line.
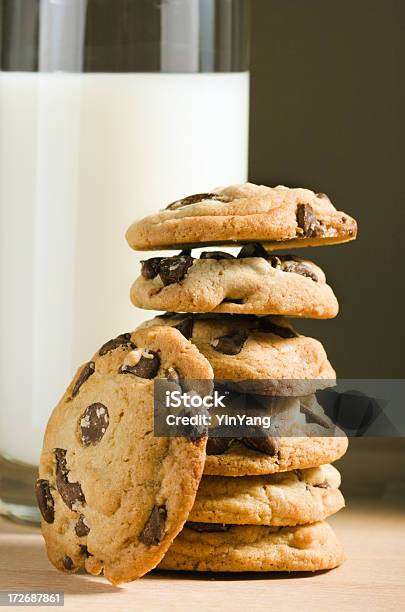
220, 548
262, 455
281, 217
112, 496
286, 498
254, 282
265, 354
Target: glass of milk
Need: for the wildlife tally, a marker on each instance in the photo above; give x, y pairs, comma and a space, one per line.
109, 110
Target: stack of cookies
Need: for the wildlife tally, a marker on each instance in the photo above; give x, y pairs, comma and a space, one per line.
117, 499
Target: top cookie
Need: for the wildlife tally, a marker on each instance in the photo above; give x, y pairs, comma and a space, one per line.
112, 496
245, 213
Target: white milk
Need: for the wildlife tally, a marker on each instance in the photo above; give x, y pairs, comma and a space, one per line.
82, 156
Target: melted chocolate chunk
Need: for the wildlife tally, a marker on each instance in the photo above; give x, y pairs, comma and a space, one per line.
267, 445
185, 252
147, 367
154, 529
298, 268
84, 551
94, 423
217, 446
194, 199
81, 527
70, 492
86, 372
266, 325
173, 269
121, 340
218, 255
67, 563
232, 343
275, 261
307, 220
254, 249
150, 267
45, 501
186, 327
207, 527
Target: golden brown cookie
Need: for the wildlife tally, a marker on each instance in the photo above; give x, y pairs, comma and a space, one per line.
306, 548
281, 217
112, 496
286, 498
254, 283
266, 353
269, 456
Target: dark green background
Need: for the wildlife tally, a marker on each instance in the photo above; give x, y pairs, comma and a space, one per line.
327, 108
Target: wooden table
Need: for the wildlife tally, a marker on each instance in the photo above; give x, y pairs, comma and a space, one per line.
372, 579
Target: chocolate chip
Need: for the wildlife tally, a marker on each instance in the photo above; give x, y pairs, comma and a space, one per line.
197, 430
81, 527
194, 199
232, 343
218, 255
186, 327
121, 340
86, 372
313, 417
217, 446
266, 445
154, 528
307, 221
185, 252
150, 267
45, 500
266, 325
84, 551
173, 269
298, 268
70, 492
147, 367
275, 261
94, 423
233, 301
207, 527
67, 563
254, 249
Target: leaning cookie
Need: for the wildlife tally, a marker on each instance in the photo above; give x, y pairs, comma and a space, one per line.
224, 548
112, 496
261, 455
252, 283
279, 216
288, 498
262, 354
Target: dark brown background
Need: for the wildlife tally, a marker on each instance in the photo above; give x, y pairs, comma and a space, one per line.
327, 108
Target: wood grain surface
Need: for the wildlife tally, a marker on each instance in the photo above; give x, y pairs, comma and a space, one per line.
372, 579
